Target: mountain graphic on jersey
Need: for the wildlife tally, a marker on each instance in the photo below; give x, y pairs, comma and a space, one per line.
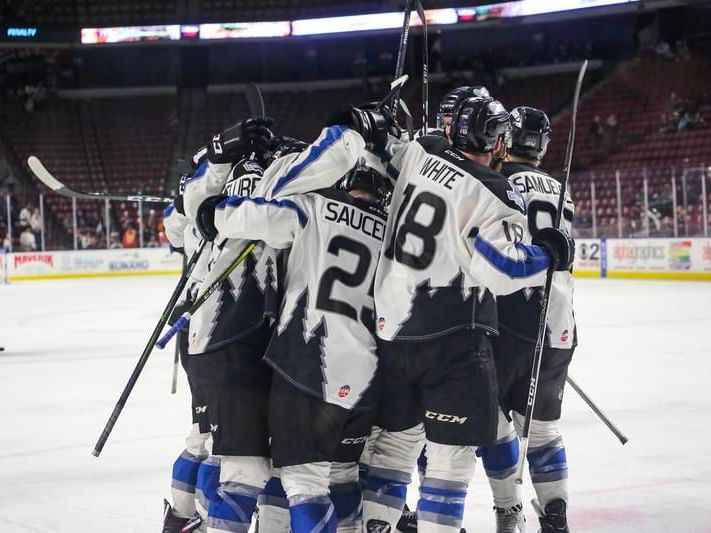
441, 310
298, 353
240, 310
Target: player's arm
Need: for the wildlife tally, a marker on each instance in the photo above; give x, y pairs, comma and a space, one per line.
502, 259
175, 224
325, 161
277, 222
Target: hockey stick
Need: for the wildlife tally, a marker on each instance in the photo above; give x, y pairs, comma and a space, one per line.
536, 369
595, 409
165, 316
46, 177
184, 319
425, 68
402, 50
176, 357
255, 101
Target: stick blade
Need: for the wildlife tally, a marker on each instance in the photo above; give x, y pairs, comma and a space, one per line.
42, 174
255, 101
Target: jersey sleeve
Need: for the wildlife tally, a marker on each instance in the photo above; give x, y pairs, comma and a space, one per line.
208, 179
322, 164
277, 222
175, 224
501, 260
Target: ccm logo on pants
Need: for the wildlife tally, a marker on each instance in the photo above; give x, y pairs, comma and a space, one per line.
439, 417
354, 440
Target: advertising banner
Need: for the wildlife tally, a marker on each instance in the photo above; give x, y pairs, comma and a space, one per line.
588, 258
91, 263
659, 258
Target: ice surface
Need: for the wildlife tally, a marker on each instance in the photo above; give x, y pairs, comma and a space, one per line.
644, 356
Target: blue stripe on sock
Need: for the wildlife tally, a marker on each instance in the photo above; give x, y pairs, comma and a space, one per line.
185, 468
313, 516
500, 456
274, 488
387, 487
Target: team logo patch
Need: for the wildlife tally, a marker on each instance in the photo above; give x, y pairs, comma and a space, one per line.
564, 336
344, 391
381, 324
515, 196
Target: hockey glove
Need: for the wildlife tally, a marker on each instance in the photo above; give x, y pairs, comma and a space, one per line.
371, 125
205, 219
559, 245
251, 135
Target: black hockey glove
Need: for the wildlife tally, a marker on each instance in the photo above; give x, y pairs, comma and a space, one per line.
371, 125
205, 219
559, 245
245, 137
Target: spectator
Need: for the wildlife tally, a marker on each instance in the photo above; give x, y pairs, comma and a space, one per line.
690, 120
612, 125
597, 132
130, 237
36, 222
25, 216
28, 243
675, 104
666, 125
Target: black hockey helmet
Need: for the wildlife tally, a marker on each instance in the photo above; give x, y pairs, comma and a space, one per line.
281, 146
530, 132
477, 123
366, 178
453, 97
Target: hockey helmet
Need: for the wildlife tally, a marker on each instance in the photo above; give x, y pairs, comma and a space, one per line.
530, 132
453, 97
477, 123
365, 178
281, 146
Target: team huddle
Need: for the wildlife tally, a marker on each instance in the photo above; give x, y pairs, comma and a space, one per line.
384, 318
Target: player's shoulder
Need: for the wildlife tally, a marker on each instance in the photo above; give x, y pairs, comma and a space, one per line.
511, 168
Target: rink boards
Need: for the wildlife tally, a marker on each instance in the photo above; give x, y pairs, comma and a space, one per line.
89, 264
676, 259
599, 258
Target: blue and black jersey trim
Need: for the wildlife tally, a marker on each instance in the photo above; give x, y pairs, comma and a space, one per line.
236, 201
537, 259
333, 134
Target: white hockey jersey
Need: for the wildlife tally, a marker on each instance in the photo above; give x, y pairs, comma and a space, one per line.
238, 308
323, 342
519, 312
455, 238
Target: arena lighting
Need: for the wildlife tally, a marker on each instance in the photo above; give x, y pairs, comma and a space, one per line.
130, 34
375, 21
523, 8
347, 24
245, 30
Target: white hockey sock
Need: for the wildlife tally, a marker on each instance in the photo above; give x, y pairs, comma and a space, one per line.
444, 489
391, 465
500, 461
547, 462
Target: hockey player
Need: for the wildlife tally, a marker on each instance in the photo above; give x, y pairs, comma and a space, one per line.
227, 337
184, 239
450, 102
323, 349
454, 239
515, 347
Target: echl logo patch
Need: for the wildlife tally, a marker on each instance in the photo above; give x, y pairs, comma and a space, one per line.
564, 336
515, 196
381, 324
344, 391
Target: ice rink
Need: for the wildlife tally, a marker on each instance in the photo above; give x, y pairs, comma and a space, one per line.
644, 356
